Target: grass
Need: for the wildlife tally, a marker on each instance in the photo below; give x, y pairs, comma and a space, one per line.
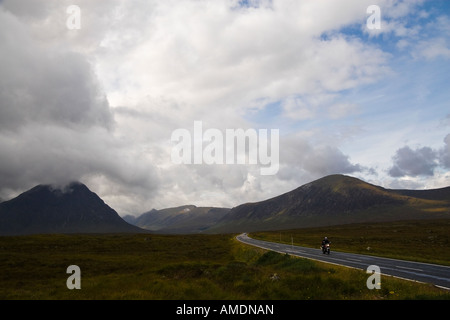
420, 240
200, 267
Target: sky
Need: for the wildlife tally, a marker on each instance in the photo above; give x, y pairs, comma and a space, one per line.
94, 91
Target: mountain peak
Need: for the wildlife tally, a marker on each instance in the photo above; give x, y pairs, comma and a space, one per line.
335, 199
58, 189
72, 208
337, 179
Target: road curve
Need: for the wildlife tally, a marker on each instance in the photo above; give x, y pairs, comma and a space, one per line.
415, 271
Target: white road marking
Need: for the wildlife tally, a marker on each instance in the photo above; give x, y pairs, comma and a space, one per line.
356, 260
408, 268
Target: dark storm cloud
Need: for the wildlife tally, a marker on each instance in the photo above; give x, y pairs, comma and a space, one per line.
444, 154
50, 106
300, 159
329, 160
419, 162
56, 124
45, 85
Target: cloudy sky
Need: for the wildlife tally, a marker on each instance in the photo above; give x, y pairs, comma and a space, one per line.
96, 96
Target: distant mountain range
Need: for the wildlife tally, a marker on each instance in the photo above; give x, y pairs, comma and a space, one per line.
74, 209
184, 219
332, 200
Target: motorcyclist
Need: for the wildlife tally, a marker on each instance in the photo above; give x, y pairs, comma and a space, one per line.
325, 241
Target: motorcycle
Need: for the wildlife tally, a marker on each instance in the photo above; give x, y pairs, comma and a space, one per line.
326, 249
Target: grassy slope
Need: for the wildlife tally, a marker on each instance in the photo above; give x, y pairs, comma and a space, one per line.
178, 267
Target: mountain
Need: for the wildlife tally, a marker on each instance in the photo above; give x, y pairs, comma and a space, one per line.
184, 219
72, 209
333, 200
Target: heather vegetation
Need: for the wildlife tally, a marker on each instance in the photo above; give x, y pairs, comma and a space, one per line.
142, 266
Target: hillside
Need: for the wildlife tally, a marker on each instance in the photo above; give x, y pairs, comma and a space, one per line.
332, 200
73, 209
184, 219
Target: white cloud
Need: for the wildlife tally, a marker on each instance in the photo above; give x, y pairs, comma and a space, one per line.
99, 104
431, 49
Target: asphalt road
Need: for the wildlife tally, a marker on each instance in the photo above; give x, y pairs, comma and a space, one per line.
416, 271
